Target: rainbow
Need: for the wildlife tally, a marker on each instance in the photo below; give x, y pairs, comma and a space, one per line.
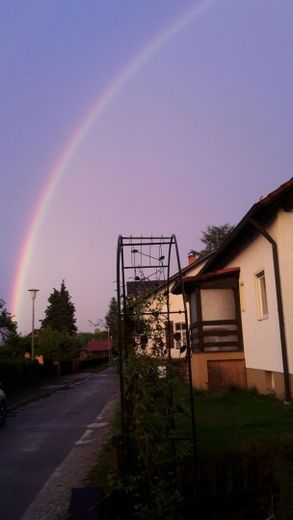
77, 137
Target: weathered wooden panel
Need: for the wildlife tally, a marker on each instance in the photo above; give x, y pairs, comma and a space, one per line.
223, 373
236, 487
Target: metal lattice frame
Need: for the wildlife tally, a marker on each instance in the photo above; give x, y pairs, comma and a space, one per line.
145, 259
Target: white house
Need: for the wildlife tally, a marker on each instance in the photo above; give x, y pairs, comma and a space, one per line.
176, 323
243, 298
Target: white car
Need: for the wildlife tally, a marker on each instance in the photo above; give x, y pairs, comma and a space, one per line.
3, 406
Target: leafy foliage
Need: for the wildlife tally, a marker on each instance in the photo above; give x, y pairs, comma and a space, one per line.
111, 320
56, 345
7, 325
19, 372
16, 346
152, 418
212, 238
60, 313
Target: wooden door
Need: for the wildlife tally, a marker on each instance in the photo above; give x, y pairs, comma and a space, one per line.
223, 373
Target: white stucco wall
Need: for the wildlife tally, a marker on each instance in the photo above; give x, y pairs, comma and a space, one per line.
284, 231
176, 304
261, 337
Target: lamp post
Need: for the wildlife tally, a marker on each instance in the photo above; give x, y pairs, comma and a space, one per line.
33, 295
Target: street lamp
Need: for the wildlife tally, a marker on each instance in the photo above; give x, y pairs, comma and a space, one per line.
33, 295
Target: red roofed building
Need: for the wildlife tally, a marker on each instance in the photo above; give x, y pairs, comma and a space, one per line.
101, 348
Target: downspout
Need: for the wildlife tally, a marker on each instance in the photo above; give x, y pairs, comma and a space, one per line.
268, 237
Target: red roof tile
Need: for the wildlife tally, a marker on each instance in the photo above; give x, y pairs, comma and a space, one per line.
99, 345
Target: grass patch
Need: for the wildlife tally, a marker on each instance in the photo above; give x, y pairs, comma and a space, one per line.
103, 473
226, 422
241, 419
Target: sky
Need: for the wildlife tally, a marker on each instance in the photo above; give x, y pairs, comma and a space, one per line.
133, 117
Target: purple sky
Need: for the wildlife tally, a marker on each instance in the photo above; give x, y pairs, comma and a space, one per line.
199, 133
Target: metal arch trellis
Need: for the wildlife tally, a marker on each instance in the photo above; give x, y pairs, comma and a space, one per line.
150, 265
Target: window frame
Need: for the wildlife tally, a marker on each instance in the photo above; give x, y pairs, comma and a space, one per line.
198, 325
180, 326
261, 295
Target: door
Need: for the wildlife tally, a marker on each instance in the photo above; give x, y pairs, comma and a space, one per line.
223, 373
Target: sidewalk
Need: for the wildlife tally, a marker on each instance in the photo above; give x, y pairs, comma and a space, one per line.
44, 389
52, 501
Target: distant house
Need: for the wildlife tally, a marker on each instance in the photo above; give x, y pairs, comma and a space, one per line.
243, 300
100, 348
142, 287
175, 327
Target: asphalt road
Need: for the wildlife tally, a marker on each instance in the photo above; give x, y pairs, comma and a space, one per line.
38, 436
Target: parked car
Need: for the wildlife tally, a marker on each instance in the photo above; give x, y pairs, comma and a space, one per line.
3, 406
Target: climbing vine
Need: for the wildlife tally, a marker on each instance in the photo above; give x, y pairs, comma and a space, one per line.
156, 413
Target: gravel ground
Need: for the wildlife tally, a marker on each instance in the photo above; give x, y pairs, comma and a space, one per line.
53, 500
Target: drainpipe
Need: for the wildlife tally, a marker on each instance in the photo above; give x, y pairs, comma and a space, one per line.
268, 237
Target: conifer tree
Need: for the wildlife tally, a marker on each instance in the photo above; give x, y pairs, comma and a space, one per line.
212, 238
111, 320
60, 313
8, 327
6, 319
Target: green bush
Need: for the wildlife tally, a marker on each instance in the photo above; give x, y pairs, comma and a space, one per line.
56, 345
19, 372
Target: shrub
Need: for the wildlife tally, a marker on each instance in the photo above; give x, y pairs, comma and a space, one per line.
19, 372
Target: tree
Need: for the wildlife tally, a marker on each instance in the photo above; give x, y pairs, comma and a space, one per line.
57, 345
212, 238
111, 320
60, 313
7, 325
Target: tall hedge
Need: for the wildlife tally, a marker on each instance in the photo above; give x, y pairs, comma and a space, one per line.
19, 372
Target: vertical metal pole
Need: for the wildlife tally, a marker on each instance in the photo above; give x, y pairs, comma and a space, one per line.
33, 331
189, 364
33, 293
170, 358
120, 341
168, 302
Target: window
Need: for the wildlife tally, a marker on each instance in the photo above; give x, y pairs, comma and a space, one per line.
181, 328
217, 304
262, 301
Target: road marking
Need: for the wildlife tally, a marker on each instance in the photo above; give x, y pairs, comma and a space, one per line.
85, 438
94, 426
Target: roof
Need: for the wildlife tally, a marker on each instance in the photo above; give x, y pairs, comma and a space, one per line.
176, 277
190, 281
285, 189
262, 212
99, 345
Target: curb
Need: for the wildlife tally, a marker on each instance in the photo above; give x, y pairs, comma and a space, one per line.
39, 394
53, 499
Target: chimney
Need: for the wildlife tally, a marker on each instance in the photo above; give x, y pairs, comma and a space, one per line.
191, 258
